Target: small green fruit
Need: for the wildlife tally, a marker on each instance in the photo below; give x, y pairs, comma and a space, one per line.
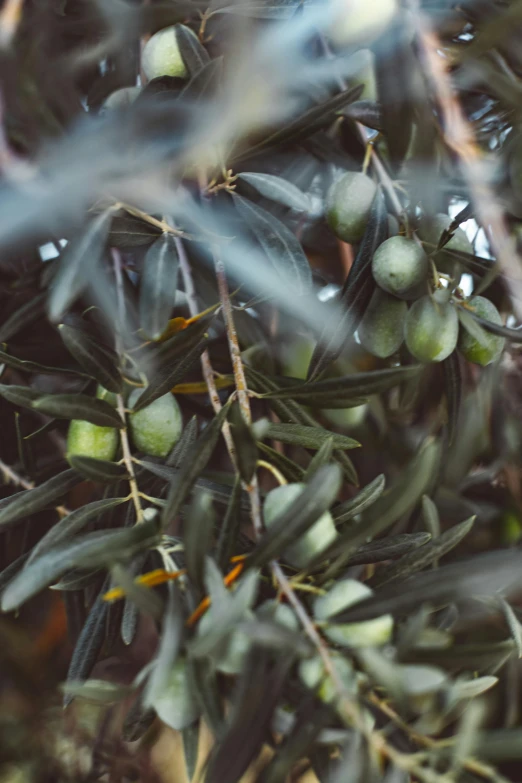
348, 205
474, 351
431, 328
157, 427
381, 331
430, 231
177, 704
121, 99
343, 595
400, 267
161, 55
315, 540
89, 440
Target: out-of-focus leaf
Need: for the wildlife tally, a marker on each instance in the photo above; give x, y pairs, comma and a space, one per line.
453, 392
416, 561
168, 650
147, 601
204, 84
279, 244
356, 294
77, 263
277, 189
431, 516
97, 691
88, 646
230, 527
19, 395
299, 517
244, 442
514, 335
308, 437
196, 460
158, 286
193, 54
322, 457
98, 362
472, 327
26, 315
366, 112
479, 657
23, 504
93, 549
190, 739
167, 375
137, 721
12, 569
197, 537
79, 406
258, 692
203, 677
24, 365
368, 495
98, 470
390, 548
179, 452
513, 624
71, 524
127, 231
334, 392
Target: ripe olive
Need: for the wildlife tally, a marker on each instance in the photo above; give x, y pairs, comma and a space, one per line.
381, 331
430, 231
474, 351
177, 704
348, 204
156, 428
161, 55
431, 328
90, 440
317, 537
400, 267
342, 595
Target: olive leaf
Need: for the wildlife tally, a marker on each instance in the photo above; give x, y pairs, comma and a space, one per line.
28, 502
204, 83
22, 318
472, 327
277, 189
88, 646
308, 437
98, 470
453, 392
96, 360
290, 469
244, 442
158, 285
127, 231
514, 335
322, 457
79, 406
19, 395
197, 537
193, 54
25, 365
368, 495
190, 737
278, 243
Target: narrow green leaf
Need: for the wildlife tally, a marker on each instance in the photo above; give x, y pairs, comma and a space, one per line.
190, 739
197, 457
278, 243
167, 376
98, 362
513, 624
77, 263
230, 527
244, 442
390, 548
350, 508
93, 549
197, 537
23, 504
98, 470
323, 457
26, 315
158, 286
19, 395
431, 516
89, 645
96, 691
73, 523
179, 452
205, 685
471, 326
193, 54
300, 516
277, 189
453, 392
137, 722
514, 335
127, 231
290, 469
24, 365
79, 406
308, 437
204, 84
146, 601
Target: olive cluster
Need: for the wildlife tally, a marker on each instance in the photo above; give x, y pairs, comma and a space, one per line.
403, 306
154, 429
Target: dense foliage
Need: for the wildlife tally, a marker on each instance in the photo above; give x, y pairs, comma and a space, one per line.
260, 388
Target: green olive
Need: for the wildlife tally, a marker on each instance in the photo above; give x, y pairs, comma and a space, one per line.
161, 55
317, 537
348, 205
430, 231
90, 440
177, 704
381, 331
431, 328
400, 267
474, 351
156, 428
341, 596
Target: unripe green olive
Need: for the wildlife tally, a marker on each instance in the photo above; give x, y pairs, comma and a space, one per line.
85, 439
430, 231
381, 331
161, 55
341, 596
400, 267
177, 705
431, 328
348, 204
474, 351
121, 99
315, 540
156, 428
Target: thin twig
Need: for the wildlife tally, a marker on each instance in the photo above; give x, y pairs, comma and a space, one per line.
19, 481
